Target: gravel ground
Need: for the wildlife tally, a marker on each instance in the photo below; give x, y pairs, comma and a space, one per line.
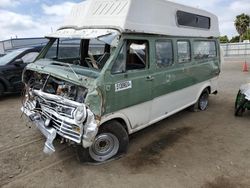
208, 149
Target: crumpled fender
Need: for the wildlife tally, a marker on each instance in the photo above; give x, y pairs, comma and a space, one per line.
94, 101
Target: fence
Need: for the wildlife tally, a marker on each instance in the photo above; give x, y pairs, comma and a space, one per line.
12, 44
236, 49
230, 49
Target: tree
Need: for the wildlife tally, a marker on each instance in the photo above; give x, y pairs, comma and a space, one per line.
235, 39
241, 23
246, 35
224, 39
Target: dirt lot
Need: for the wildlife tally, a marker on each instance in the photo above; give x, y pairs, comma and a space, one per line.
208, 149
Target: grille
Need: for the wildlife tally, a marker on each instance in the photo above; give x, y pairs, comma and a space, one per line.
64, 128
61, 109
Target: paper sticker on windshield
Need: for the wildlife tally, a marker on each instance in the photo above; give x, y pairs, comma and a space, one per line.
123, 86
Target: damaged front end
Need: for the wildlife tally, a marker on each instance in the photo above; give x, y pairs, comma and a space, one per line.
57, 107
242, 102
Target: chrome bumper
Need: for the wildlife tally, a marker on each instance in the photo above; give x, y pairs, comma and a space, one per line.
48, 132
90, 130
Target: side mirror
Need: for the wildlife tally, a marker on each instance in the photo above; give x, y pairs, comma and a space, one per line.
18, 62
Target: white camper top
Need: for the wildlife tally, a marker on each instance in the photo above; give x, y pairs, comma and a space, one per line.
140, 16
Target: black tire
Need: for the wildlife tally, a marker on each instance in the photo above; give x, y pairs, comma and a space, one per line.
193, 108
203, 100
239, 107
113, 129
1, 89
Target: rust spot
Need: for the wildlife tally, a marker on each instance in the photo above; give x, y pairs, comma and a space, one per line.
99, 118
151, 154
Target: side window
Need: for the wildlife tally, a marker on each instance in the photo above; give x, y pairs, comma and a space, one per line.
193, 20
204, 49
29, 57
183, 51
164, 53
133, 56
136, 55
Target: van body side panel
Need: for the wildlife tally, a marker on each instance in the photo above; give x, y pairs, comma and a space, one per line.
137, 90
134, 113
172, 88
180, 85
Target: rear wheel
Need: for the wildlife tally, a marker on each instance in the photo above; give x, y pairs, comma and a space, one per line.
111, 141
203, 100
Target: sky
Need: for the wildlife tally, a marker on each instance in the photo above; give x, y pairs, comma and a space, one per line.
36, 18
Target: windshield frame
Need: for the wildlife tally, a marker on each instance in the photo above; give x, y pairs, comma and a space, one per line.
55, 41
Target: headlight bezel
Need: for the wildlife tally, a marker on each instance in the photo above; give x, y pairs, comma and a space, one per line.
80, 114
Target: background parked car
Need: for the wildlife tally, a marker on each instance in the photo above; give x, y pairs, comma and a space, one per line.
11, 68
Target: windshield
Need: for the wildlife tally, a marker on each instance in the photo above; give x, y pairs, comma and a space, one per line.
89, 53
10, 56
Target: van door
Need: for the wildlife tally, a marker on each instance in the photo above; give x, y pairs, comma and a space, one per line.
164, 76
173, 78
131, 87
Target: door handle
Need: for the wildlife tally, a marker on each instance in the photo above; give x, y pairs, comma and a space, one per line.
150, 78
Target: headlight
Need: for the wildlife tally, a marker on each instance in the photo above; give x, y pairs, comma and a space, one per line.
80, 114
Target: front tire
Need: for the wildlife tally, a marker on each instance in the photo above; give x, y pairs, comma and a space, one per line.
111, 141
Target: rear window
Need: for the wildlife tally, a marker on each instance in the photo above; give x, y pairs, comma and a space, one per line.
204, 49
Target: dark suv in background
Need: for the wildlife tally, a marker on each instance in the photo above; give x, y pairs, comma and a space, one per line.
11, 68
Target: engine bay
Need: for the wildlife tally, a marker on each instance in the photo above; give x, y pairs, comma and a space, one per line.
55, 86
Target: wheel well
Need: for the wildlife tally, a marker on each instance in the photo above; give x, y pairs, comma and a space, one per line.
121, 121
209, 89
4, 86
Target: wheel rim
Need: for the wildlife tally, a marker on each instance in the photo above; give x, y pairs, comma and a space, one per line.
105, 146
203, 101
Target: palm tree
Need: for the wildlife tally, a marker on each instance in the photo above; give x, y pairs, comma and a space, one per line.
241, 23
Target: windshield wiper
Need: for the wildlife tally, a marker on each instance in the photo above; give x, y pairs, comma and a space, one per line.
70, 66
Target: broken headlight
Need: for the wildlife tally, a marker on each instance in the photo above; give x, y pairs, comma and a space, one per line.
80, 114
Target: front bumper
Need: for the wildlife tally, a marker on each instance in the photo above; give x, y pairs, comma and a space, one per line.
51, 122
48, 132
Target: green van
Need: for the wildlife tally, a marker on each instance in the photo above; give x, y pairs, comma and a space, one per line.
115, 68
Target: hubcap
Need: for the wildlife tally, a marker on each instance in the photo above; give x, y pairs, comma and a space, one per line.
203, 101
105, 146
